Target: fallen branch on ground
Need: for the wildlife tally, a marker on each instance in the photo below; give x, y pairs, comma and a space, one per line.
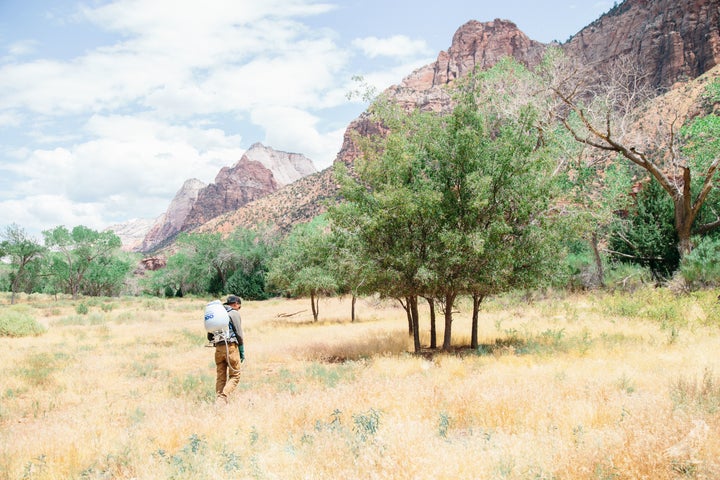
285, 315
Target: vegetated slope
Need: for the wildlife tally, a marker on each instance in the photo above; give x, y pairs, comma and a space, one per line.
298, 202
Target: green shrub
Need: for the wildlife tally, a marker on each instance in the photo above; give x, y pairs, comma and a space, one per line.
627, 277
17, 322
701, 267
647, 236
82, 309
154, 304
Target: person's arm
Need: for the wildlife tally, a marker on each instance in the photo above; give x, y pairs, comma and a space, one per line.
237, 326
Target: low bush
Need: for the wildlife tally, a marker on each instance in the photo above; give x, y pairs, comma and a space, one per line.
17, 322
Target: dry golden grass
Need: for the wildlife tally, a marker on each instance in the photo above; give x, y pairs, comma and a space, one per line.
573, 387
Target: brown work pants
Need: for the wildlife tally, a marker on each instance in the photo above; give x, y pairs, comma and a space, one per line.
227, 363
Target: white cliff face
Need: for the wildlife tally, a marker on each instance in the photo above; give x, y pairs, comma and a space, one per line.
169, 223
286, 167
132, 232
183, 202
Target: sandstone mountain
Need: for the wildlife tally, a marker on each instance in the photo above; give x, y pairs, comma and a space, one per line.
667, 40
260, 171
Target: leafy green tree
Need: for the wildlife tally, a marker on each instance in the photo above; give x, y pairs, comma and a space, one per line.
451, 204
391, 209
496, 169
301, 267
254, 250
25, 253
175, 279
350, 271
213, 263
106, 276
74, 252
211, 260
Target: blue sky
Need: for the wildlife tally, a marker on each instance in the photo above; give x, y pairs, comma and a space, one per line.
107, 107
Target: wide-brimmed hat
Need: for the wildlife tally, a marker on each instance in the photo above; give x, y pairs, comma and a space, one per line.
232, 299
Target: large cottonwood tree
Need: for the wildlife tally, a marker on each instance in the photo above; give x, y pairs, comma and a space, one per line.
23, 252
73, 253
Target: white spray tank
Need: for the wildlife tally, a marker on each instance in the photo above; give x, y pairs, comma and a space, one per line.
216, 318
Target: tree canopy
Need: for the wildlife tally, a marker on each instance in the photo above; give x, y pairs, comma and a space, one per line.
458, 203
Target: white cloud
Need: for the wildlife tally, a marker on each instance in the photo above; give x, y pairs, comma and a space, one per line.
175, 50
298, 129
22, 48
138, 160
36, 213
395, 46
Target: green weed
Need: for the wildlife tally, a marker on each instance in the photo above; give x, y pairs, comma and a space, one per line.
193, 338
703, 396
37, 368
95, 318
331, 375
199, 387
366, 424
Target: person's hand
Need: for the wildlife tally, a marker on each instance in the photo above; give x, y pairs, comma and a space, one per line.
242, 353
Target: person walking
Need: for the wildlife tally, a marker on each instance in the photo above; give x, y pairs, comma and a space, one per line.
229, 352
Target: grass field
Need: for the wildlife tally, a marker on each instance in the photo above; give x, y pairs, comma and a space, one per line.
592, 386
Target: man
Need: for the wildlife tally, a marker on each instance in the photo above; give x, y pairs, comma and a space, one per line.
229, 352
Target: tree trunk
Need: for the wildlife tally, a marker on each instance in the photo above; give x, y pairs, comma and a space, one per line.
408, 313
447, 339
416, 323
598, 261
683, 226
477, 300
14, 285
433, 327
315, 306
352, 309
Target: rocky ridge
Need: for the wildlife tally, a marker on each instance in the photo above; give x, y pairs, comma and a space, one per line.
260, 171
667, 40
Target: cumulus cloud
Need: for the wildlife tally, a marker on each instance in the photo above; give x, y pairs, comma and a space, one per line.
396, 46
39, 212
128, 165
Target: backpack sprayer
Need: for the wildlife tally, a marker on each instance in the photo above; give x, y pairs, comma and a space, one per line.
217, 323
217, 320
